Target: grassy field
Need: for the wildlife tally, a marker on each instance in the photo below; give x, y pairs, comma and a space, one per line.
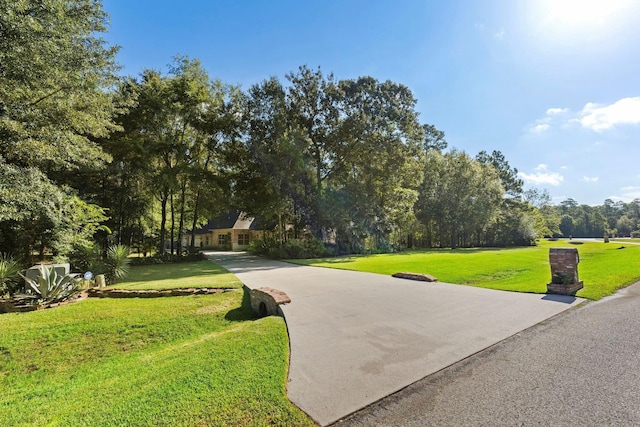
202, 274
179, 361
603, 267
626, 240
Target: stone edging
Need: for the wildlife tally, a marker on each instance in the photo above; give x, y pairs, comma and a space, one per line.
128, 293
13, 307
416, 276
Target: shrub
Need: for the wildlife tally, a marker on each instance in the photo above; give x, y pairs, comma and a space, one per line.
276, 252
9, 274
561, 279
262, 246
167, 259
116, 263
87, 258
315, 248
292, 248
50, 287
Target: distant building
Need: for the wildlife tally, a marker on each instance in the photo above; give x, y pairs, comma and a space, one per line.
230, 231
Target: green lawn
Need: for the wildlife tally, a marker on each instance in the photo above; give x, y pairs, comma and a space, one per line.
626, 240
201, 274
178, 361
603, 267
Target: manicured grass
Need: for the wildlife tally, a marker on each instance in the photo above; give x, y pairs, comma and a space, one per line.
178, 361
626, 240
201, 274
603, 267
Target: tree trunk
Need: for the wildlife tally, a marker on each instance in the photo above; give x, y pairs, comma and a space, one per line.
196, 206
183, 191
454, 238
120, 216
163, 222
318, 171
173, 223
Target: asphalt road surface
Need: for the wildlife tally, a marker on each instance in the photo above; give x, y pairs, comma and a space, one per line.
580, 368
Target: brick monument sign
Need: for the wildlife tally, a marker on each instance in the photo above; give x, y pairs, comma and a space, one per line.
564, 271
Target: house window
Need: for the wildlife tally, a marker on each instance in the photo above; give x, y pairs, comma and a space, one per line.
206, 239
222, 239
243, 239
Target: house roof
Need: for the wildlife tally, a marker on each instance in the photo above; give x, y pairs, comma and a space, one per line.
243, 222
235, 220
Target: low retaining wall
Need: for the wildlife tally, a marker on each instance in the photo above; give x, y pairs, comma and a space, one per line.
19, 306
22, 306
266, 301
126, 293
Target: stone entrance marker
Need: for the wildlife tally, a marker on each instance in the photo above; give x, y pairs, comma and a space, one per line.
564, 271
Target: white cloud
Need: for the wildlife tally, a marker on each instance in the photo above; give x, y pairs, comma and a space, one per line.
590, 179
540, 128
596, 117
542, 175
599, 118
499, 34
626, 194
544, 124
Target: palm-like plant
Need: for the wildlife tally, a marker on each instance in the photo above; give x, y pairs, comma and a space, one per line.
117, 263
9, 274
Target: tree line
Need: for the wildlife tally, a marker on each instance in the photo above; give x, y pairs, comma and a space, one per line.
88, 156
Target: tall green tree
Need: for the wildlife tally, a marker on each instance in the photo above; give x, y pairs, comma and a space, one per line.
511, 183
612, 212
55, 75
459, 198
179, 123
377, 157
581, 220
518, 223
275, 177
312, 107
548, 217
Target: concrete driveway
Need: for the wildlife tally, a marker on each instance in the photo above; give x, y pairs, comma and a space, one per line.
358, 337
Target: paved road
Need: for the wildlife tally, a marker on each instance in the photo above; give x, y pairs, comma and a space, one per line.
358, 337
580, 369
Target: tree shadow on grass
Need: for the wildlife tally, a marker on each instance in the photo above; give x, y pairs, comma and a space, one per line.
244, 311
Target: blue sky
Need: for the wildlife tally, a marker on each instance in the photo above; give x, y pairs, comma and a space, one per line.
553, 84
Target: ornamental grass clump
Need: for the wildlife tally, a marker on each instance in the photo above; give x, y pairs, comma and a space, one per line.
9, 274
116, 263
